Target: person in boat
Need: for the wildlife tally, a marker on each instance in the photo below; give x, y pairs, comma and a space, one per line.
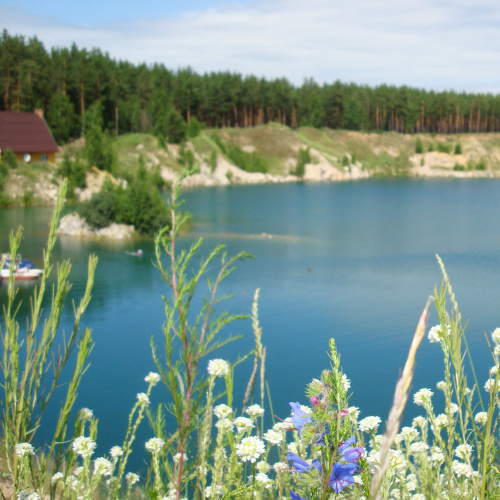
137, 254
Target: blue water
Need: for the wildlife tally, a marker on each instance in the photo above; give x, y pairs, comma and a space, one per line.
353, 261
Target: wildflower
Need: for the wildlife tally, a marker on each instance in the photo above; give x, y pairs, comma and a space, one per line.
26, 495
212, 491
285, 425
280, 466
496, 336
481, 418
23, 449
423, 397
418, 447
274, 437
143, 399
255, 411
84, 446
264, 479
349, 453
116, 452
418, 496
224, 424
243, 424
453, 408
218, 368
152, 378
86, 414
300, 417
346, 383
131, 478
409, 434
419, 422
103, 467
342, 476
78, 471
489, 386
57, 477
441, 385
441, 422
222, 411
494, 370
436, 333
263, 466
461, 469
398, 461
292, 448
369, 424
353, 411
154, 445
314, 400
463, 451
294, 496
177, 457
496, 351
250, 449
437, 456
299, 464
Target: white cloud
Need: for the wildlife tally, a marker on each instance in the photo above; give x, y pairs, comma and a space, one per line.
433, 44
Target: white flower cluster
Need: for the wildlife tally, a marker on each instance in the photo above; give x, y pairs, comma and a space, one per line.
243, 424
369, 424
177, 457
250, 449
103, 467
143, 399
26, 495
86, 414
152, 378
218, 368
423, 397
274, 437
461, 469
222, 411
84, 446
154, 445
116, 452
481, 418
463, 451
436, 333
131, 478
255, 411
23, 449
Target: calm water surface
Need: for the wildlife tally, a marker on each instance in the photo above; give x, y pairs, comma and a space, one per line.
353, 261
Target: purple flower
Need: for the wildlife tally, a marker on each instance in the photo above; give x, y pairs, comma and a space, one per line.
294, 496
342, 476
349, 453
299, 416
301, 465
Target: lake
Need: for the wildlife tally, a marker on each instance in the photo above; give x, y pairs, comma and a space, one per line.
354, 261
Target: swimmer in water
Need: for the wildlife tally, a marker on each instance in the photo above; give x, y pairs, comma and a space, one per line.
138, 253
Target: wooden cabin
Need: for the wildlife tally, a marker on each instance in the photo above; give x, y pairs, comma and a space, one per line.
28, 136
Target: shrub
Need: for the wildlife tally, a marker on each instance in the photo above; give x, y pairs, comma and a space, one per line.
419, 147
346, 161
444, 147
250, 162
303, 158
458, 167
220, 143
74, 171
458, 149
100, 210
482, 165
431, 147
212, 160
9, 159
193, 129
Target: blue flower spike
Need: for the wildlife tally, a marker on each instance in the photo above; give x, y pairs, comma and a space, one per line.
294, 496
342, 476
299, 417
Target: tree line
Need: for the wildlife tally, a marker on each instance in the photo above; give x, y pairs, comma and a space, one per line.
66, 82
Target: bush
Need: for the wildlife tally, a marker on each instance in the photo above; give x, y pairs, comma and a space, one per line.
431, 147
346, 161
419, 147
444, 147
458, 167
220, 143
212, 160
483, 164
458, 149
74, 171
303, 158
9, 159
100, 210
250, 162
193, 129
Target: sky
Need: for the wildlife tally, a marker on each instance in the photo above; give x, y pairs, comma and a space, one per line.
429, 44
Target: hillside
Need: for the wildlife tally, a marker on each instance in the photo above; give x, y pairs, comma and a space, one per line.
271, 153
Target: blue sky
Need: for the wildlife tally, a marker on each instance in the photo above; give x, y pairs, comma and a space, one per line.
431, 44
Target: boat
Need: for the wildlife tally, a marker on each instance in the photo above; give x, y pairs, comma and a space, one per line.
24, 269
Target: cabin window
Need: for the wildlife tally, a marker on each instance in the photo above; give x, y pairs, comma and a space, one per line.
45, 157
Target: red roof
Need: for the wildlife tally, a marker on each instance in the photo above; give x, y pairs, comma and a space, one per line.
25, 133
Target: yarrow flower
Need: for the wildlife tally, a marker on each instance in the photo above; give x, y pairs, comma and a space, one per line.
489, 386
418, 447
423, 397
224, 424
116, 452
243, 424
436, 333
86, 414
496, 336
218, 368
463, 451
441, 385
177, 457
143, 399
23, 449
481, 418
263, 466
274, 437
250, 449
255, 411
222, 411
58, 476
84, 446
131, 478
103, 467
369, 424
154, 445
461, 469
152, 378
263, 479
